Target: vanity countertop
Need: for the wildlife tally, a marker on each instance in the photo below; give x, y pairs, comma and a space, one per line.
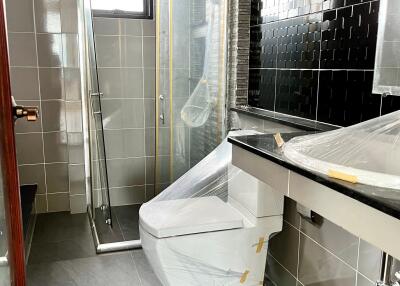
264, 145
371, 213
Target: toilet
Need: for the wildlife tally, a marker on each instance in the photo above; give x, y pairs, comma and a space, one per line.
212, 241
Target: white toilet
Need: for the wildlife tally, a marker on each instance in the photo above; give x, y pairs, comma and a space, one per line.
208, 242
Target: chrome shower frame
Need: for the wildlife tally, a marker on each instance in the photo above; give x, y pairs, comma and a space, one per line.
86, 88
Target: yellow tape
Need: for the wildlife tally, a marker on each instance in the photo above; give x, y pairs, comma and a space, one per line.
342, 176
260, 244
243, 278
279, 140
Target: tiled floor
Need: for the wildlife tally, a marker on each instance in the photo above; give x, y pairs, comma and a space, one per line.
125, 224
63, 254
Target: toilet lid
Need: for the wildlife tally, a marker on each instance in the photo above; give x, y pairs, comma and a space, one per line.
188, 216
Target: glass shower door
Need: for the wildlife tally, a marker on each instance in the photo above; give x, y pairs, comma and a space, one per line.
191, 60
100, 208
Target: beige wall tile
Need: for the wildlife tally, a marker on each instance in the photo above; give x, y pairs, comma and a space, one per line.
19, 15
22, 49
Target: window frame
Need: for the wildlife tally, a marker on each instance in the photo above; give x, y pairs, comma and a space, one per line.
146, 14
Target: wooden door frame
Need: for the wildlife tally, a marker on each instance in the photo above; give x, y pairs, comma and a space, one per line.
12, 200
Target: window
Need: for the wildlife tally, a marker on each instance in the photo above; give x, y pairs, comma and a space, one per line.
123, 8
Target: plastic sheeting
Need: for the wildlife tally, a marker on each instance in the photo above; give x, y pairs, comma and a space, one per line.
368, 152
209, 177
197, 109
193, 233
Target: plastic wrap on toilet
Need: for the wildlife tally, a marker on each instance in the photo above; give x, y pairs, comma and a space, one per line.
209, 257
366, 153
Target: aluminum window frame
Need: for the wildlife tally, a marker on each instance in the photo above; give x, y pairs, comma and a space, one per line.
146, 14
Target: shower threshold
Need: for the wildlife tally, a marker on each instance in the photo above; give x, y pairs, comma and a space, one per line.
104, 247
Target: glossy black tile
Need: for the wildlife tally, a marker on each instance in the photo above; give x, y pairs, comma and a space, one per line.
262, 88
264, 11
333, 4
299, 42
292, 36
263, 46
390, 103
345, 97
349, 37
296, 92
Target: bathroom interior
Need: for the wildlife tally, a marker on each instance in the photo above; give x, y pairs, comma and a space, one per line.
200, 142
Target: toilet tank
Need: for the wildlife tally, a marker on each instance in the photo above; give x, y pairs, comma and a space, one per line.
255, 196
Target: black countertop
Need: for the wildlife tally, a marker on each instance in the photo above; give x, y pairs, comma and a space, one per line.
382, 199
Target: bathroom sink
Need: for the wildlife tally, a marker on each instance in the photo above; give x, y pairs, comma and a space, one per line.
366, 153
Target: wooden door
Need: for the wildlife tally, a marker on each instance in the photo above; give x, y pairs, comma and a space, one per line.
12, 267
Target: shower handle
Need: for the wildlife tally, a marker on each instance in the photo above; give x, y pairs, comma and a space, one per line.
162, 115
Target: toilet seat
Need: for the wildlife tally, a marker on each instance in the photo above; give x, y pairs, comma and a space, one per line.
164, 219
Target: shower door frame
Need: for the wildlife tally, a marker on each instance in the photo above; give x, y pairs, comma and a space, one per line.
84, 49
221, 116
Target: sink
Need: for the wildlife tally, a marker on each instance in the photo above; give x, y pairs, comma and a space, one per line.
369, 152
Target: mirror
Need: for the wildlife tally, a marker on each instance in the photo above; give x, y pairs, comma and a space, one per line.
387, 60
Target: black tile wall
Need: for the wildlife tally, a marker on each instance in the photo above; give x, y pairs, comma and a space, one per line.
315, 59
296, 92
349, 37
345, 97
261, 79
390, 104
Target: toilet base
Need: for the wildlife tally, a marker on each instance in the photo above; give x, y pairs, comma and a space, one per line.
228, 257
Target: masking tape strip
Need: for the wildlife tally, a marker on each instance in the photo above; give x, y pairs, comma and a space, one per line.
260, 244
243, 278
342, 176
279, 140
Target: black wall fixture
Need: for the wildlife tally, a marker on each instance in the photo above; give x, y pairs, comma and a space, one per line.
315, 59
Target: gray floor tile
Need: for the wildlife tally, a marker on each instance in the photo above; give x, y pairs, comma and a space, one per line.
114, 269
61, 236
146, 274
107, 233
128, 220
57, 227
63, 254
63, 250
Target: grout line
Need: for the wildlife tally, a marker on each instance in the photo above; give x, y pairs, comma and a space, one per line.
329, 251
318, 69
319, 74
359, 273
137, 270
298, 251
276, 260
40, 99
77, 195
129, 186
358, 260
144, 116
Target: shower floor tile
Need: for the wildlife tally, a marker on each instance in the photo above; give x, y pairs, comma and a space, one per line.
63, 253
125, 224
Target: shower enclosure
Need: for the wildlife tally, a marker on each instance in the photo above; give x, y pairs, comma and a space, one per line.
187, 110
